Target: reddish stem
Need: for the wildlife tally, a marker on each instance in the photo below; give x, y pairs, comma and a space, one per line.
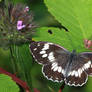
17, 80
36, 90
62, 87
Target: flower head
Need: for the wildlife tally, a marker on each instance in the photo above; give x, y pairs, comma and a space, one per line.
88, 44
26, 9
20, 25
16, 25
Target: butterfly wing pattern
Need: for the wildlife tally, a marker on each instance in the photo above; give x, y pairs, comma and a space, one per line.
89, 66
51, 56
58, 65
79, 70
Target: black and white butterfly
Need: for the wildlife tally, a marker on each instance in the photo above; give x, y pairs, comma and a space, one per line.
61, 65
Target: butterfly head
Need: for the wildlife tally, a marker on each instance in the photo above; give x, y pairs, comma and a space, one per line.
73, 53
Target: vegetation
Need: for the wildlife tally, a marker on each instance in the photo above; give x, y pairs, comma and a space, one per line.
64, 22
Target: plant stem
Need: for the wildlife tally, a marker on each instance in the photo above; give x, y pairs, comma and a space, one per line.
13, 60
22, 63
62, 87
17, 80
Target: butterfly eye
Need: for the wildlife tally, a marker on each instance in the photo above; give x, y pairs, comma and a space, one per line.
50, 31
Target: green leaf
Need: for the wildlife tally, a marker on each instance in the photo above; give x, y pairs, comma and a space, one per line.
7, 84
66, 39
88, 87
57, 36
75, 15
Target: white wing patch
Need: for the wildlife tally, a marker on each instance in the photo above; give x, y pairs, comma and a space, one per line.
43, 52
87, 65
35, 49
80, 70
54, 65
57, 68
51, 57
46, 46
44, 55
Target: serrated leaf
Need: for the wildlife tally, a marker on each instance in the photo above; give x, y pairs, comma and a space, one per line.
7, 84
66, 39
76, 15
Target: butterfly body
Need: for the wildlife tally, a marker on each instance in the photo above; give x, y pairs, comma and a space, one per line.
61, 65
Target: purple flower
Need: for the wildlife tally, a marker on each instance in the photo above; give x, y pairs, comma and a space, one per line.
20, 25
26, 9
18, 21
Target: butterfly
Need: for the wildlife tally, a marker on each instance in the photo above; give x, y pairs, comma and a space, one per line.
61, 65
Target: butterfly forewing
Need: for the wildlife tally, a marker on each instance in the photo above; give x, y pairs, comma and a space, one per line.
53, 57
45, 52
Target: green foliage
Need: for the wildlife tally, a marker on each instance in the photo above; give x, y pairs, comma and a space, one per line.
68, 40
57, 36
9, 19
7, 84
76, 15
71, 15
22, 62
19, 1
88, 87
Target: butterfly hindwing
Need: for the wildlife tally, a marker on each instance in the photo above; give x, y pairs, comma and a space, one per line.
73, 80
50, 74
78, 70
88, 66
